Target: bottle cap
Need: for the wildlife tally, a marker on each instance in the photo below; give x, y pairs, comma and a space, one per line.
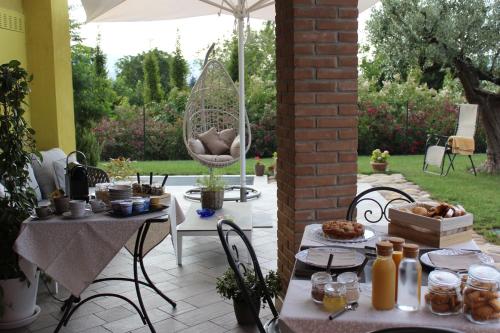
410, 250
384, 248
397, 243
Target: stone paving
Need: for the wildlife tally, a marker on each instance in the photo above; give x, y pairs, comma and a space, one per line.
192, 286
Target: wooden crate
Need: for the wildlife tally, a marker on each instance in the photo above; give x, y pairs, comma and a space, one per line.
441, 232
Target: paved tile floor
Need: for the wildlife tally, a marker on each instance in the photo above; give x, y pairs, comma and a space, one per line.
192, 286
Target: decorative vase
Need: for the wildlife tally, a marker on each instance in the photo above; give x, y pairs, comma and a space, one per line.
379, 167
259, 169
243, 311
212, 199
19, 301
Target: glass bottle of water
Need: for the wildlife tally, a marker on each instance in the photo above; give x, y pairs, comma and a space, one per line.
409, 279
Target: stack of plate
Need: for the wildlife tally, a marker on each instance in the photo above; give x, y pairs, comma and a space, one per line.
120, 192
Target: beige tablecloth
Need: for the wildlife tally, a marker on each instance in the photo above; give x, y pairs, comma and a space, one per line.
74, 252
301, 314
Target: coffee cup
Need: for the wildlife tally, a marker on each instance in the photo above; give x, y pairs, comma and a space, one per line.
61, 205
77, 208
97, 205
43, 211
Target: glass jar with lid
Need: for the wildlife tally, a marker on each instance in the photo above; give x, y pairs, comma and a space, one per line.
335, 297
350, 280
482, 295
318, 282
443, 294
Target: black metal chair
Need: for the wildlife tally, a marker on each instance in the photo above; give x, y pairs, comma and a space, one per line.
226, 228
416, 330
369, 215
96, 176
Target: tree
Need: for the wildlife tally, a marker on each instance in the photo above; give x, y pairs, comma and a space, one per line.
179, 66
100, 60
462, 35
232, 66
152, 86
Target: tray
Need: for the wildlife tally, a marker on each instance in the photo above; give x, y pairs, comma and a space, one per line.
151, 210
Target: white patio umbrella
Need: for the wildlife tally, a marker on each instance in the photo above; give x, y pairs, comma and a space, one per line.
155, 10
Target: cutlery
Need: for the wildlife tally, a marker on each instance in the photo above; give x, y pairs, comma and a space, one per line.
348, 307
150, 178
164, 180
138, 178
329, 265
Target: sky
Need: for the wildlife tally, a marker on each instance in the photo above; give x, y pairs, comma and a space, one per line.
196, 34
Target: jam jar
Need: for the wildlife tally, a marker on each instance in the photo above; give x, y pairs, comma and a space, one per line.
443, 294
482, 295
318, 282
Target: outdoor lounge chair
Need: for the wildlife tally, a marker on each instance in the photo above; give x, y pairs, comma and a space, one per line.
440, 148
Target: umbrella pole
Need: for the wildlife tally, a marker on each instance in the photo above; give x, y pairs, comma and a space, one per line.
241, 79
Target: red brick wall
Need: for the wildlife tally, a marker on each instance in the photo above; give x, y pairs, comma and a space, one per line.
316, 59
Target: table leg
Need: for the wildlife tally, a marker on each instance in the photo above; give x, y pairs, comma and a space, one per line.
179, 248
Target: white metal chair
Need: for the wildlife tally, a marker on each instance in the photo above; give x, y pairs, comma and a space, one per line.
438, 148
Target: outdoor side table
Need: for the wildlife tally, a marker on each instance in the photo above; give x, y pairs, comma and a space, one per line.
240, 212
74, 252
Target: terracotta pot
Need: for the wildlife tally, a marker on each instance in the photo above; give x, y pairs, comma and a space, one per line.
212, 199
61, 205
259, 169
243, 311
379, 167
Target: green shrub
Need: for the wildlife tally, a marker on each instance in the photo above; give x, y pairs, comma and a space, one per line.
86, 142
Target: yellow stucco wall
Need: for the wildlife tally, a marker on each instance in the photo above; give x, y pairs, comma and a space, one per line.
49, 60
13, 41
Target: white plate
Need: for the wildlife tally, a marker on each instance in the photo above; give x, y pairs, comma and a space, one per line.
317, 233
67, 215
484, 258
302, 256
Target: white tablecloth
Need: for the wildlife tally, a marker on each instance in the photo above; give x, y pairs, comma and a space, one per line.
301, 314
74, 252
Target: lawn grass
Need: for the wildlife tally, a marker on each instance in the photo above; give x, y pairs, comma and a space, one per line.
479, 195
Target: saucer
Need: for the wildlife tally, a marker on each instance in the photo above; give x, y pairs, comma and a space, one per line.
67, 215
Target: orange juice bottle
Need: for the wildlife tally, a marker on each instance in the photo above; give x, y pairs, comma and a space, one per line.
383, 278
397, 255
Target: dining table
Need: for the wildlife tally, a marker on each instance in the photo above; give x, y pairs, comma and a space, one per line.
299, 313
74, 251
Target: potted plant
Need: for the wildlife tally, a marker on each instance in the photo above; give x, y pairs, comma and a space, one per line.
228, 288
17, 143
211, 191
379, 160
259, 167
119, 169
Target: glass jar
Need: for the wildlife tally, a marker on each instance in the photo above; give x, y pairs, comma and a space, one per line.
335, 297
102, 193
318, 282
350, 281
482, 295
443, 294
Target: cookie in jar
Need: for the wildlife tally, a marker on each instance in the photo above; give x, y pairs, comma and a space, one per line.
443, 294
482, 295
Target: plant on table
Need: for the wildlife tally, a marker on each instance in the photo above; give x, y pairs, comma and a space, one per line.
227, 287
259, 166
17, 144
212, 191
119, 168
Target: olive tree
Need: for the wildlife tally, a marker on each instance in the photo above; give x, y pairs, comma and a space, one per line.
463, 35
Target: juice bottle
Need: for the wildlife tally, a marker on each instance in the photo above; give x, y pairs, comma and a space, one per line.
410, 279
397, 255
383, 278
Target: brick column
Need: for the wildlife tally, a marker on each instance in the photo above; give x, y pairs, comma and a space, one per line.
316, 59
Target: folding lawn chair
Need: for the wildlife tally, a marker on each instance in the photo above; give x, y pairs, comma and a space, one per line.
439, 148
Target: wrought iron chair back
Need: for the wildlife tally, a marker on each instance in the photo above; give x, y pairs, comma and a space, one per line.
96, 176
417, 330
226, 228
369, 214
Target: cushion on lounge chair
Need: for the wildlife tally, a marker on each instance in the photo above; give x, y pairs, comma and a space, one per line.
44, 170
216, 158
196, 146
228, 136
32, 182
2, 191
211, 140
235, 147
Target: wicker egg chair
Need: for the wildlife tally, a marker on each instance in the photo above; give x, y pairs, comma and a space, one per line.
213, 103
